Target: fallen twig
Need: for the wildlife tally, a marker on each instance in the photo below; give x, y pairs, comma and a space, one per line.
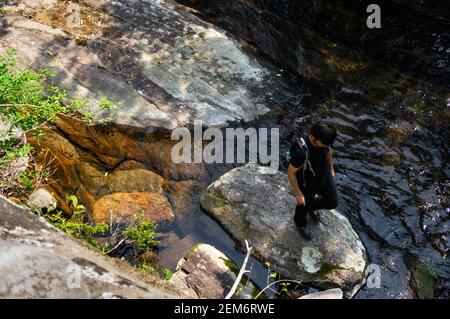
241, 272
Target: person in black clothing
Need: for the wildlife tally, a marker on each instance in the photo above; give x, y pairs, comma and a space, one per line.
311, 174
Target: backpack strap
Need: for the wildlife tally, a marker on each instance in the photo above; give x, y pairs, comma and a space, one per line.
306, 163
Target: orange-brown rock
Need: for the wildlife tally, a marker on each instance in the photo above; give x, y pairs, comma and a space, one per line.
123, 206
61, 156
71, 175
113, 144
137, 180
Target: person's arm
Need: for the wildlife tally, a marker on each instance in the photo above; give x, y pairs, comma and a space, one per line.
330, 162
294, 183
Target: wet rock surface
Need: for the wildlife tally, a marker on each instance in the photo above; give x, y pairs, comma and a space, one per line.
125, 206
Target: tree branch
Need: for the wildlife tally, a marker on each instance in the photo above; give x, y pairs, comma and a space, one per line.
241, 272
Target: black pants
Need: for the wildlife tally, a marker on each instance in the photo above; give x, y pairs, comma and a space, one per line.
328, 199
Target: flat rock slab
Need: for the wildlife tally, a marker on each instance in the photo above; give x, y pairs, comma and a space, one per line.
327, 294
39, 261
168, 69
255, 203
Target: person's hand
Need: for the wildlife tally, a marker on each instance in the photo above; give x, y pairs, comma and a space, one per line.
332, 172
300, 200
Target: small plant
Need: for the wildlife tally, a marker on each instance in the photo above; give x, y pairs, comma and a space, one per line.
26, 179
78, 209
149, 269
74, 226
142, 233
80, 230
162, 273
167, 274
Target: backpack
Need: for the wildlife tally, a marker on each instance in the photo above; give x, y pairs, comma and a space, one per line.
306, 163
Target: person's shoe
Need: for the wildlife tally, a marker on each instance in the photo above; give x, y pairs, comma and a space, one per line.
315, 217
306, 233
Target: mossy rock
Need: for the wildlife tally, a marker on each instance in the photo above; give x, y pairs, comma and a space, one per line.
214, 199
423, 279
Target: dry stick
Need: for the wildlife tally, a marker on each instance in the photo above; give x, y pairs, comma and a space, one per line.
241, 272
113, 233
115, 247
276, 282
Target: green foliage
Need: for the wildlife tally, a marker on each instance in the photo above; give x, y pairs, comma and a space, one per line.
79, 210
27, 104
284, 286
142, 233
167, 274
13, 153
148, 269
77, 229
26, 179
162, 273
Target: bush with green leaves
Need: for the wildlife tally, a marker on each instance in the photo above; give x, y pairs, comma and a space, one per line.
75, 225
27, 104
142, 233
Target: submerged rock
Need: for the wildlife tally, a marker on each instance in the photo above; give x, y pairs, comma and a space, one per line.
129, 188
255, 203
124, 206
38, 261
208, 273
424, 281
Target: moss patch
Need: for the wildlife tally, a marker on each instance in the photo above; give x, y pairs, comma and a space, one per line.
214, 198
423, 280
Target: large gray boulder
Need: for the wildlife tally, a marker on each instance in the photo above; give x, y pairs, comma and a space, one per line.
39, 261
255, 203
